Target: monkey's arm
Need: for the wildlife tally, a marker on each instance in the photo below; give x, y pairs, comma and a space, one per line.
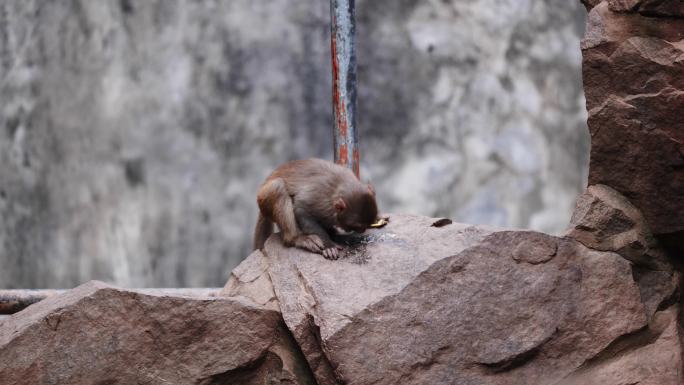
274, 199
309, 225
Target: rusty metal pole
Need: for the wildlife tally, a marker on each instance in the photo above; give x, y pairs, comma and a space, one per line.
345, 137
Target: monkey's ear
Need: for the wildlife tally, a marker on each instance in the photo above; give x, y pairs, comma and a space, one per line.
340, 205
371, 189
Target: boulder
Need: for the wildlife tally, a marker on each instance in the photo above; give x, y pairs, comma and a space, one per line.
250, 280
633, 70
589, 4
98, 334
643, 358
413, 303
605, 220
667, 8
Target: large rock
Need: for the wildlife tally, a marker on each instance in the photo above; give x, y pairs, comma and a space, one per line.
671, 8
605, 220
417, 304
634, 83
97, 334
647, 357
250, 279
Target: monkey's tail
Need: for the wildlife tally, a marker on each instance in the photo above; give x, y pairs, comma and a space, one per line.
263, 230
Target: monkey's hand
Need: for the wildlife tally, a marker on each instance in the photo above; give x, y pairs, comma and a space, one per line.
332, 252
310, 242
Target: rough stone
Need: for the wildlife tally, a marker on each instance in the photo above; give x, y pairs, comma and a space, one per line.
98, 334
623, 5
633, 70
659, 289
365, 275
250, 279
416, 304
667, 8
605, 220
589, 4
651, 356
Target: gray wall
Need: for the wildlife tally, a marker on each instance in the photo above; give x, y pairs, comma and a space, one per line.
133, 134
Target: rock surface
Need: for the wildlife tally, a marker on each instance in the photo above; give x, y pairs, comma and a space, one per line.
633, 71
647, 357
651, 8
417, 304
97, 334
605, 220
134, 133
250, 279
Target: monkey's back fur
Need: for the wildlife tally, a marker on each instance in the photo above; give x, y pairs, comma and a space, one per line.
301, 193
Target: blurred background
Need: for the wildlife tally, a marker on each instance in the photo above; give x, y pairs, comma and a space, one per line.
134, 134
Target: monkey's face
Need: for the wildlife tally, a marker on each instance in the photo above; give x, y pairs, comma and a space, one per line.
353, 224
357, 212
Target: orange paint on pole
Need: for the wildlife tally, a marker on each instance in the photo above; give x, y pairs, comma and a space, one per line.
356, 162
345, 139
344, 155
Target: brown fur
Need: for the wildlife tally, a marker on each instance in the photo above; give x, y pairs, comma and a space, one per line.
307, 199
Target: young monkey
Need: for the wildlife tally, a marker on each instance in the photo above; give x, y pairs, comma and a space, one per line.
308, 200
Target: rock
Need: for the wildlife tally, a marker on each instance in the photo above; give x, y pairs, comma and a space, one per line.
589, 4
355, 281
623, 5
416, 304
100, 334
651, 356
250, 279
659, 289
668, 8
605, 220
633, 69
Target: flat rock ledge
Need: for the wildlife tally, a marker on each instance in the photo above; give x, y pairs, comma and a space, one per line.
98, 334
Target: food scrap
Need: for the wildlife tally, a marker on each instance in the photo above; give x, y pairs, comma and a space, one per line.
380, 223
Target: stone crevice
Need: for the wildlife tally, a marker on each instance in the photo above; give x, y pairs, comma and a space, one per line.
519, 359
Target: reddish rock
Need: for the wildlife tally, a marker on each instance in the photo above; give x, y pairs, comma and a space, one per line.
317, 297
659, 289
605, 220
633, 72
643, 358
97, 334
250, 280
669, 8
624, 5
415, 304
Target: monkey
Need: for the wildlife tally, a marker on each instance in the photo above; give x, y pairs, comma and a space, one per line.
311, 199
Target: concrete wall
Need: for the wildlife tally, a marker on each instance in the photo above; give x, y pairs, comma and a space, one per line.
133, 134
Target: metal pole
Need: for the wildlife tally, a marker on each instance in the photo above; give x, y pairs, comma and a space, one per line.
345, 138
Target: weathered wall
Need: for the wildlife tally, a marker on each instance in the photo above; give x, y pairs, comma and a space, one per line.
134, 133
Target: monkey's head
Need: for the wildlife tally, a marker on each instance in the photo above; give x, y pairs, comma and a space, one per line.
356, 210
